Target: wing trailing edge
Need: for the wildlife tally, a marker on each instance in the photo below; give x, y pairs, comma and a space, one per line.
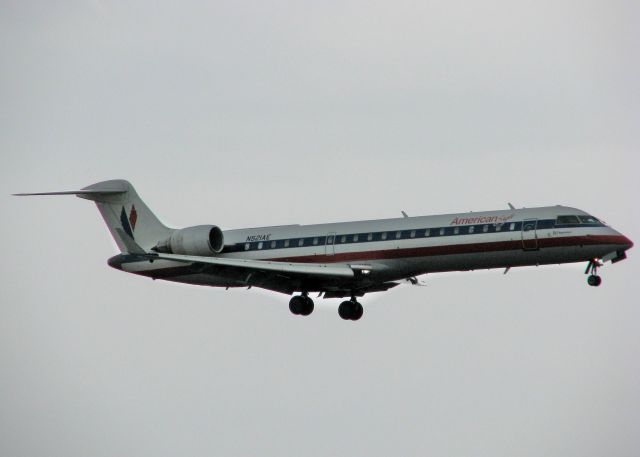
322, 269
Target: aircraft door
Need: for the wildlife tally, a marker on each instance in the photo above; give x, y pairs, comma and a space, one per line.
529, 234
329, 247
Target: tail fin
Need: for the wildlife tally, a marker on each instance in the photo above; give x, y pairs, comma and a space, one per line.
133, 226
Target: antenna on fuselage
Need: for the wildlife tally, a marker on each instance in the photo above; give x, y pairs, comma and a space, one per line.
404, 214
511, 206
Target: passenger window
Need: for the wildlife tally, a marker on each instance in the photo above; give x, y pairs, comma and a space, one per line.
260, 245
343, 239
398, 235
412, 234
567, 220
512, 226
485, 228
315, 241
286, 243
427, 232
456, 230
301, 242
355, 238
330, 239
247, 246
471, 229
273, 245
441, 231
498, 227
383, 236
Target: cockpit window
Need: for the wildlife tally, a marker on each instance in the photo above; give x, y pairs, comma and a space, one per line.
588, 220
567, 220
582, 219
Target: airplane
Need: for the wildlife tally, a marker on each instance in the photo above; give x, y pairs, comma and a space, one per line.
347, 259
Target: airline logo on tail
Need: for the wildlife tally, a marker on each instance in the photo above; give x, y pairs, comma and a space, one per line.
129, 223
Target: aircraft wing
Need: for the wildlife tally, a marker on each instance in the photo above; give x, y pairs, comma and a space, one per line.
336, 280
314, 269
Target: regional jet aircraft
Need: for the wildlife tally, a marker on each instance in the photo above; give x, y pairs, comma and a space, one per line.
347, 259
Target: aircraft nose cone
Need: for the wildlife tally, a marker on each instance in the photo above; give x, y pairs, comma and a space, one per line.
627, 242
621, 240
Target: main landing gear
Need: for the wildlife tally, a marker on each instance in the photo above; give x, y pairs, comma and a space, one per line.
301, 304
592, 270
350, 310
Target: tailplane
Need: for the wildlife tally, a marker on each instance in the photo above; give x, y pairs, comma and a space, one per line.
133, 226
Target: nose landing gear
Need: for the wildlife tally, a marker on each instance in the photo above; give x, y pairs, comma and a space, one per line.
592, 270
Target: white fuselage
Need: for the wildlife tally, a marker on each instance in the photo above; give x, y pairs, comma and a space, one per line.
347, 259
392, 249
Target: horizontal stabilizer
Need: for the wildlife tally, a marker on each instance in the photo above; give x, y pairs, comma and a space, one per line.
74, 192
92, 192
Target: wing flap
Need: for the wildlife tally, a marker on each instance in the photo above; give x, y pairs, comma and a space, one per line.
359, 292
267, 265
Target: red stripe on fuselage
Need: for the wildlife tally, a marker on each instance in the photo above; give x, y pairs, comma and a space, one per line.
471, 248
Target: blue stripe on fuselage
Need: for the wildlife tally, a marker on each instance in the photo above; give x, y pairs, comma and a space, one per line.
434, 232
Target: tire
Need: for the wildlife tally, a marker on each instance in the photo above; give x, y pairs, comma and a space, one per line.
358, 311
296, 304
308, 306
594, 280
345, 310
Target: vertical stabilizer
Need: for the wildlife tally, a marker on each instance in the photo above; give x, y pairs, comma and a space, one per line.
129, 220
126, 215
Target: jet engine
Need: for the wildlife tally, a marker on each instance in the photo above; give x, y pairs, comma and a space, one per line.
203, 240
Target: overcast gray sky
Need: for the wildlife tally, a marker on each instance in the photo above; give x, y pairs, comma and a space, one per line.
254, 113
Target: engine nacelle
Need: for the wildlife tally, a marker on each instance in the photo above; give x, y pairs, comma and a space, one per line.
198, 240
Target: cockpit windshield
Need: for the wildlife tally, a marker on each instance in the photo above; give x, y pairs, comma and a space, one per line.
577, 220
588, 220
567, 220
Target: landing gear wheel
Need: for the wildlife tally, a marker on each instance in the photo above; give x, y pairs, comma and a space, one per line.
308, 306
297, 304
357, 312
344, 310
594, 280
301, 305
592, 270
350, 310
